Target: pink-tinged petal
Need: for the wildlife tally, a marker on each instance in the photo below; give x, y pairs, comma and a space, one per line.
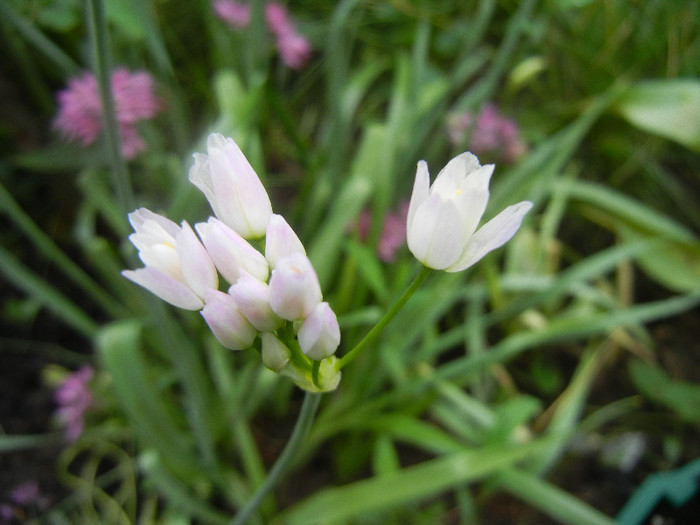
421, 190
253, 299
226, 321
436, 237
319, 334
197, 267
167, 288
242, 199
231, 252
140, 218
492, 235
280, 240
294, 288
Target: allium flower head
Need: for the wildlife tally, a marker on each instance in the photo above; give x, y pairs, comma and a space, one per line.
443, 218
80, 111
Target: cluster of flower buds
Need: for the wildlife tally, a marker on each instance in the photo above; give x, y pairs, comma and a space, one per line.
274, 299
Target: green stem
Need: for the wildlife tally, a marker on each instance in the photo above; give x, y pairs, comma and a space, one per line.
301, 429
377, 329
97, 27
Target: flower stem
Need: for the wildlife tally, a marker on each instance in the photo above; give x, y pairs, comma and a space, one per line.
97, 27
301, 429
377, 329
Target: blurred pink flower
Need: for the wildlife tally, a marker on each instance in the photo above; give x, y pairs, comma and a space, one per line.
235, 14
73, 398
80, 112
393, 234
488, 132
294, 48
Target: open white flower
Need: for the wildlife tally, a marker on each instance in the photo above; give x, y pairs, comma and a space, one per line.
177, 267
443, 218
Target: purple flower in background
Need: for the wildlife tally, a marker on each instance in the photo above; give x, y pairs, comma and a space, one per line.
25, 493
73, 397
293, 47
393, 234
235, 14
80, 112
489, 131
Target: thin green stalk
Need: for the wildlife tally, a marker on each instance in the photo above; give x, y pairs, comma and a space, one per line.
301, 429
46, 246
377, 329
97, 27
38, 40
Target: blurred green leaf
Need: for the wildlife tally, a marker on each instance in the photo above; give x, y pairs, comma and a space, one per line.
669, 108
681, 397
410, 484
674, 265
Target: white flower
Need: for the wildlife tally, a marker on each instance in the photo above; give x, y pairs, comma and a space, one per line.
442, 218
178, 268
294, 288
232, 187
253, 298
227, 322
280, 240
319, 334
230, 252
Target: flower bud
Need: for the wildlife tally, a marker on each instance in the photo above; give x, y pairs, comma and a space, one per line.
226, 321
294, 288
275, 354
280, 240
231, 252
319, 334
232, 187
253, 299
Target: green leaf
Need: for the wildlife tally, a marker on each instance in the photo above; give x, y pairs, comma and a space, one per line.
411, 484
119, 346
681, 397
669, 108
674, 265
551, 500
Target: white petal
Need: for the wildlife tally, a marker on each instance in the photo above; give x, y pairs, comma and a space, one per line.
167, 288
436, 237
421, 189
473, 198
226, 322
454, 173
492, 235
280, 240
197, 267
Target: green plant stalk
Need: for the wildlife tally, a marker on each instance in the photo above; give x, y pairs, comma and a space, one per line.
39, 41
97, 28
301, 429
385, 320
45, 245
